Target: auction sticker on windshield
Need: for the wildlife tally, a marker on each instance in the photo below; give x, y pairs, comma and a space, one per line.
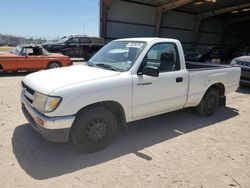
134, 45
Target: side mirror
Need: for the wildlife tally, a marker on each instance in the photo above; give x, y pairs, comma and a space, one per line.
151, 71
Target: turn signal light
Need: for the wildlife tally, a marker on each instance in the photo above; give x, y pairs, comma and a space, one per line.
39, 121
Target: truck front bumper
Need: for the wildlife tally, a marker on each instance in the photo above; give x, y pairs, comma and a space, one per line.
56, 129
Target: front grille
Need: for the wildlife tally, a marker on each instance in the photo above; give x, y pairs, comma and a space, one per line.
28, 93
245, 69
31, 91
243, 64
244, 78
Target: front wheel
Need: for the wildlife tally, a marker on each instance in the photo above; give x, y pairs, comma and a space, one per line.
53, 65
93, 129
209, 103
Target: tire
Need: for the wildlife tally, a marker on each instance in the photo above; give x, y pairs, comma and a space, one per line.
53, 65
84, 133
209, 103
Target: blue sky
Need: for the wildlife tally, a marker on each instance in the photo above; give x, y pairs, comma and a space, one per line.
49, 18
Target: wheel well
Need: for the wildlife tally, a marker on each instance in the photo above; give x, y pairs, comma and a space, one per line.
115, 107
221, 90
219, 87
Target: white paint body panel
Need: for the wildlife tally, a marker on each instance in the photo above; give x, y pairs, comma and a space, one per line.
80, 86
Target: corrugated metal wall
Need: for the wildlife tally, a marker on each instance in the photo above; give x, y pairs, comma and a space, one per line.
126, 19
129, 20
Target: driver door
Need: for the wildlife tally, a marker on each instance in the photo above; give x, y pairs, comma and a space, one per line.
167, 92
29, 59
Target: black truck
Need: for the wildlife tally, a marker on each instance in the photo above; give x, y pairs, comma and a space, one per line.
76, 46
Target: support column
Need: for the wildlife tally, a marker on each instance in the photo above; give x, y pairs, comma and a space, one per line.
105, 4
158, 15
196, 31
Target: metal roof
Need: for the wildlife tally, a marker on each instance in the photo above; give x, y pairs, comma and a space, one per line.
196, 6
210, 6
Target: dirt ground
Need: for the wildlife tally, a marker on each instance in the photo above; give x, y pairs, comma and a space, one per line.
178, 149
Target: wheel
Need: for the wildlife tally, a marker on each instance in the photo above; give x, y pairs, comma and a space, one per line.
94, 129
209, 103
53, 65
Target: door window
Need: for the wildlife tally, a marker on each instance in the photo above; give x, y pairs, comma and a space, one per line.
27, 51
84, 40
163, 56
72, 41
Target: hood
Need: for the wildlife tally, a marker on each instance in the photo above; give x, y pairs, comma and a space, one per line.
6, 54
49, 80
243, 58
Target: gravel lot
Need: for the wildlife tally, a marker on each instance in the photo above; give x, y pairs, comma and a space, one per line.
178, 149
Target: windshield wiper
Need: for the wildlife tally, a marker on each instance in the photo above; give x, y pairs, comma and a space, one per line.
106, 66
89, 64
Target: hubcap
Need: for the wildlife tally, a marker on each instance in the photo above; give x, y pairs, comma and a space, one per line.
96, 130
54, 65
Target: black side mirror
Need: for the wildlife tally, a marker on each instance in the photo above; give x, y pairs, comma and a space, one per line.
151, 71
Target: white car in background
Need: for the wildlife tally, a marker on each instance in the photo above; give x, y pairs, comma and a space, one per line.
244, 63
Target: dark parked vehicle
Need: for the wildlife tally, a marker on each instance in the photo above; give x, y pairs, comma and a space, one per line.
218, 55
244, 63
241, 51
76, 46
196, 54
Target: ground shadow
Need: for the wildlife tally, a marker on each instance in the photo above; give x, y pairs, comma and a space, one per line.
244, 89
42, 159
14, 74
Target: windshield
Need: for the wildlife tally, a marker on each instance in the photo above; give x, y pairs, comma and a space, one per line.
117, 55
63, 39
17, 50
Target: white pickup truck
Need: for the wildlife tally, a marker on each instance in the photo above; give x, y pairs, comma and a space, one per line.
127, 80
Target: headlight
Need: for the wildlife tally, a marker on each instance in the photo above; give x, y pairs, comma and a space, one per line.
45, 103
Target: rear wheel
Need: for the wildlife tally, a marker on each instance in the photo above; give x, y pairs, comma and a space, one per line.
93, 129
209, 103
53, 65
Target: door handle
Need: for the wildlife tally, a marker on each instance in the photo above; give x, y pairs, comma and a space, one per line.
145, 83
179, 79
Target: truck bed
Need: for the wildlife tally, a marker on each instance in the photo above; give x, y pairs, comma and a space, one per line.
203, 66
203, 75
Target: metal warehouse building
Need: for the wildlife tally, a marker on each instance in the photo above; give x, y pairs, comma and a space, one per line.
195, 23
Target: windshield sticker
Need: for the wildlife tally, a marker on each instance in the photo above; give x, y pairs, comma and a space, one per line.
134, 45
128, 62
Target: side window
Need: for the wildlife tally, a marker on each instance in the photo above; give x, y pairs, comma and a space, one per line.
28, 51
84, 40
72, 41
37, 51
163, 56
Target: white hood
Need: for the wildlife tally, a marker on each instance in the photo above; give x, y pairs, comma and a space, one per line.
243, 58
48, 80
